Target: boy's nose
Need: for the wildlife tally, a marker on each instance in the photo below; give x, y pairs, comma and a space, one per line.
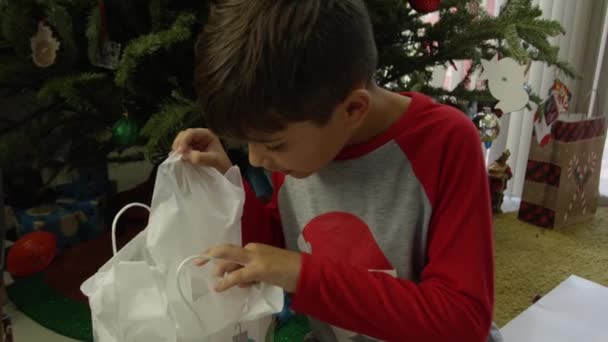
255, 155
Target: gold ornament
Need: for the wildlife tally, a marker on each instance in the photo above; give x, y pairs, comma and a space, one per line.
44, 46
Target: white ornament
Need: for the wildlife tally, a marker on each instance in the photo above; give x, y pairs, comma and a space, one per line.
44, 46
506, 82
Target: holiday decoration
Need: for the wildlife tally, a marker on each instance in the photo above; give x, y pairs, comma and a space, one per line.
499, 173
125, 132
108, 54
562, 177
296, 328
474, 7
32, 253
425, 6
506, 82
580, 173
562, 96
488, 125
44, 46
547, 113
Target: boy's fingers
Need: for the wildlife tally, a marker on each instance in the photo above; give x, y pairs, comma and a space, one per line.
201, 158
239, 277
222, 267
177, 140
201, 262
232, 253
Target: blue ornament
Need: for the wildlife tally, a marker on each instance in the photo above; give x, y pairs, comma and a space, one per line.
488, 144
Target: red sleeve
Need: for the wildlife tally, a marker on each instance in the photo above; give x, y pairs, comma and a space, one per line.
261, 223
453, 300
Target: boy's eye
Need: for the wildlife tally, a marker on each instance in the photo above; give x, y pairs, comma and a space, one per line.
277, 147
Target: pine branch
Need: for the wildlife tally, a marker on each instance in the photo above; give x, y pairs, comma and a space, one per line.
514, 45
19, 23
93, 34
60, 19
162, 126
68, 88
32, 117
156, 9
147, 45
19, 71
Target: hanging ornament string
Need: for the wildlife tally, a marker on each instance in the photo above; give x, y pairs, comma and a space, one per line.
109, 51
103, 33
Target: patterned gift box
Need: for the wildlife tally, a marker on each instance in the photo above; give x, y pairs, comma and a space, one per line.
64, 224
92, 223
562, 177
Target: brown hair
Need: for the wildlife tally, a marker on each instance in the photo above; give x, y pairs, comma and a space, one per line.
263, 63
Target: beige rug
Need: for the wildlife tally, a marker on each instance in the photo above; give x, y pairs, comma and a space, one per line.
530, 261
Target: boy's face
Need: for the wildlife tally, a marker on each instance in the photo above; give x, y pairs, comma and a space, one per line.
299, 150
303, 148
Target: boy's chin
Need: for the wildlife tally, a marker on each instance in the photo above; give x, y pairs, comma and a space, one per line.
298, 175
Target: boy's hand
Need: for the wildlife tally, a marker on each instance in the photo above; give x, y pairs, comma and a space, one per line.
201, 147
255, 263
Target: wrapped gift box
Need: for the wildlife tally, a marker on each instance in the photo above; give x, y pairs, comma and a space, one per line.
94, 210
64, 224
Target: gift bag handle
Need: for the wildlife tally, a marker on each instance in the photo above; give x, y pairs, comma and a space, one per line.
115, 221
179, 268
181, 291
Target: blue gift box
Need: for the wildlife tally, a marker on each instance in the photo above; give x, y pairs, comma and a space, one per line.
93, 210
64, 224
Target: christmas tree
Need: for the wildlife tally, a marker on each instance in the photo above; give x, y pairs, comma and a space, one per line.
100, 76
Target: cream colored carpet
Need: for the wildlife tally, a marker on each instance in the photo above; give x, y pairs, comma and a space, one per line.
530, 261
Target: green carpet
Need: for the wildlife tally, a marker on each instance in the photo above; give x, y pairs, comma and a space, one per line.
52, 310
531, 261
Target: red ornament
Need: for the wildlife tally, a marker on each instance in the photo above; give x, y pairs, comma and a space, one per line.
425, 6
32, 253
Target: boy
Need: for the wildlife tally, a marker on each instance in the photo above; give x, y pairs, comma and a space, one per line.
381, 199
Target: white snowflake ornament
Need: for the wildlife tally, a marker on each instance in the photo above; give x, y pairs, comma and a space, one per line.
506, 82
44, 46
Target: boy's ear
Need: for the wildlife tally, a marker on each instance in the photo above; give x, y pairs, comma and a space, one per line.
356, 107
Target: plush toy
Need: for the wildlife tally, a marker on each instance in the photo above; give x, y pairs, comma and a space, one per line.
32, 253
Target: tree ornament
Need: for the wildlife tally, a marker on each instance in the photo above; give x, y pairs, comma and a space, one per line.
296, 328
474, 7
506, 82
425, 6
108, 54
499, 173
488, 125
44, 46
125, 132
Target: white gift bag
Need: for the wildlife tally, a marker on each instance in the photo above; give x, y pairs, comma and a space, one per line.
136, 295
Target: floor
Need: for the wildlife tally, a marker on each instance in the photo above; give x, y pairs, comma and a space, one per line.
26, 330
